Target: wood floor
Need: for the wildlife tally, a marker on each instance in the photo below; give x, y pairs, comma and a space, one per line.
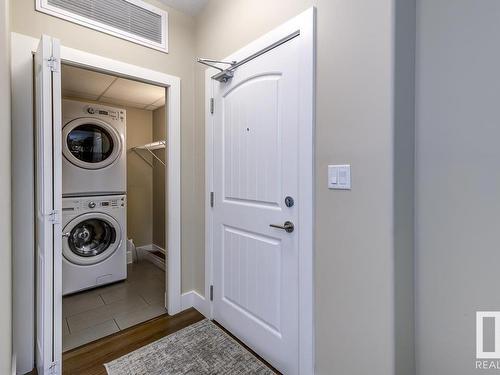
90, 359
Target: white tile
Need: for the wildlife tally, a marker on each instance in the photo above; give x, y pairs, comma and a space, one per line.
67, 94
120, 102
84, 83
103, 313
90, 334
135, 92
131, 318
81, 302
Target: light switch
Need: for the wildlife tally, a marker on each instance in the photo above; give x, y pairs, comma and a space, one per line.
339, 177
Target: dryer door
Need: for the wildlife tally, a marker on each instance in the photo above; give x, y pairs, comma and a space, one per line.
91, 143
91, 238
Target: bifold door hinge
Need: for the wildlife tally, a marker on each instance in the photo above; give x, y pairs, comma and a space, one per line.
211, 292
212, 105
54, 216
54, 64
212, 199
53, 368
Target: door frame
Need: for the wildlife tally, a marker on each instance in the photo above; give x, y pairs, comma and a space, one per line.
23, 48
306, 24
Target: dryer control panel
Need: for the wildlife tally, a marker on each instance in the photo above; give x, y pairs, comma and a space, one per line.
104, 111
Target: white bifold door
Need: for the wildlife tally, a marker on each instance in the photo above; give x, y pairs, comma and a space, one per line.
255, 214
48, 206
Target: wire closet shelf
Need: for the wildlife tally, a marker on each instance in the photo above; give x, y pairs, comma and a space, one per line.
150, 147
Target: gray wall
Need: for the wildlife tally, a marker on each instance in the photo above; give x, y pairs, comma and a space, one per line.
457, 179
364, 273
5, 201
355, 304
404, 185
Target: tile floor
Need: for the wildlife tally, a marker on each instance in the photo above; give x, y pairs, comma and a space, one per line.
91, 315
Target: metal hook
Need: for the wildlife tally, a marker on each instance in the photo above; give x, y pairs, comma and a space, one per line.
210, 62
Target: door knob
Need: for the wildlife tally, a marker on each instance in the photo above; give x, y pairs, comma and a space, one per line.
287, 226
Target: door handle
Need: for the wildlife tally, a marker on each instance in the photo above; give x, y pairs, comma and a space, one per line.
65, 235
287, 226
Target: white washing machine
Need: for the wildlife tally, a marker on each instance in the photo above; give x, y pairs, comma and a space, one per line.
94, 241
94, 149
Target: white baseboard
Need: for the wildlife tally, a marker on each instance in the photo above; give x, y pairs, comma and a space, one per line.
144, 253
193, 299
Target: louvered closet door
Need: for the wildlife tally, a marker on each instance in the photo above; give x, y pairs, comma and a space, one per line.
255, 169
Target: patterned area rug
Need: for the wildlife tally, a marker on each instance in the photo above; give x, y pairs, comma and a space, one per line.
202, 348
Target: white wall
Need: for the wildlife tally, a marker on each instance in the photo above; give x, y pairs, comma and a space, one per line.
457, 179
5, 202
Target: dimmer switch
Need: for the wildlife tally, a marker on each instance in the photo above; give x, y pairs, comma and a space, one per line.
339, 177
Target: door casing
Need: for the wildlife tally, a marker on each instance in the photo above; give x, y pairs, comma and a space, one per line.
305, 23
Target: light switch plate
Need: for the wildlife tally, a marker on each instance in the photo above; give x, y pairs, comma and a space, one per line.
339, 177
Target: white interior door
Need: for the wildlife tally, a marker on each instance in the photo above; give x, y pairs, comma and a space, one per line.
255, 168
48, 206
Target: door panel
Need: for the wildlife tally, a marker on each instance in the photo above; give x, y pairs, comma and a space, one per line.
48, 206
255, 168
252, 153
247, 254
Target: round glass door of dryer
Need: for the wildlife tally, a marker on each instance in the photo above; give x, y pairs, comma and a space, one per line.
91, 238
91, 143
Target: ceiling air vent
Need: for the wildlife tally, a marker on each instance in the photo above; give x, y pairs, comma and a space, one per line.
133, 20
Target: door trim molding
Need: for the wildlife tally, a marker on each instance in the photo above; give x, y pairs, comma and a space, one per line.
173, 85
306, 24
23, 47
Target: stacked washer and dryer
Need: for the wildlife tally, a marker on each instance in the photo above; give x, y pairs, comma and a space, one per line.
94, 195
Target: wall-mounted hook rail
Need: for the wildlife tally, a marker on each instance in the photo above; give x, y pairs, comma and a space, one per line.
225, 75
210, 63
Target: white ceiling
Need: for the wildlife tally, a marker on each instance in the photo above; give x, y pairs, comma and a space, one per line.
86, 84
192, 7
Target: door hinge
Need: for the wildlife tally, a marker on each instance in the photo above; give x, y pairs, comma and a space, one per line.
53, 368
212, 199
54, 64
54, 216
211, 292
212, 105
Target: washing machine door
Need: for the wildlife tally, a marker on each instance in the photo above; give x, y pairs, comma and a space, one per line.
90, 143
91, 238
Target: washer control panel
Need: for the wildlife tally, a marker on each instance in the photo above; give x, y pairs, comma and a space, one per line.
93, 204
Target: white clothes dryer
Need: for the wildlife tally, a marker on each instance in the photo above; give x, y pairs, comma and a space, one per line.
94, 242
94, 149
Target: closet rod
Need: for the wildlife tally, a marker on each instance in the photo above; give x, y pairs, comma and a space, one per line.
149, 147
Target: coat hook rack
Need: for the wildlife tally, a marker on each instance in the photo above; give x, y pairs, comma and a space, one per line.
225, 75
